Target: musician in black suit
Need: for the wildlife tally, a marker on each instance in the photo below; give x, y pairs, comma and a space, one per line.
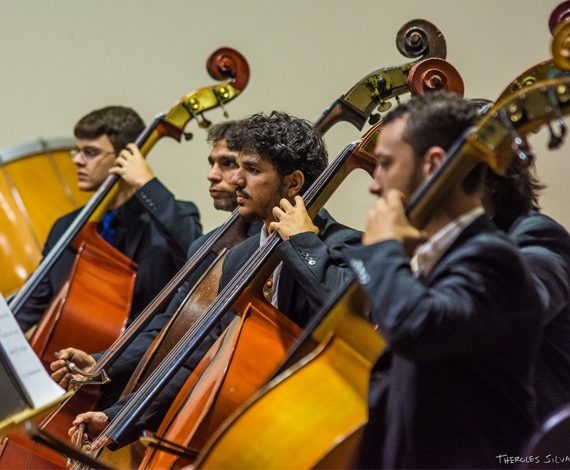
223, 164
462, 317
146, 222
512, 201
279, 158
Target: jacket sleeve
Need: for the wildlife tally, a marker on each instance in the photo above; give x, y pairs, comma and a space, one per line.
178, 221
473, 302
545, 247
317, 263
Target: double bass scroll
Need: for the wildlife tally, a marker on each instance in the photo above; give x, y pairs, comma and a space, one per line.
417, 39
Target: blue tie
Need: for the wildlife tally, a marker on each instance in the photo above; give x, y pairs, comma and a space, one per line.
107, 229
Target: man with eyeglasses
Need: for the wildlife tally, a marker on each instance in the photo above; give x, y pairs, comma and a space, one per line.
145, 222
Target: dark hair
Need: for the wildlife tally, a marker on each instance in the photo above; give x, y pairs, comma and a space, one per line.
120, 124
288, 142
438, 118
513, 194
220, 131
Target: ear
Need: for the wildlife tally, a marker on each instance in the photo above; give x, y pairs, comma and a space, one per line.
293, 183
433, 158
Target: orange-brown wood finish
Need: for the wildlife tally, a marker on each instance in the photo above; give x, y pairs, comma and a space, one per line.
311, 414
31, 174
241, 361
92, 308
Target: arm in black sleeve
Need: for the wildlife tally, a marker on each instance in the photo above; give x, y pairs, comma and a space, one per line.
178, 221
545, 247
476, 298
317, 264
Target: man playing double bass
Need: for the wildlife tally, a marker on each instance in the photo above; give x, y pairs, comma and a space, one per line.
222, 190
145, 223
455, 388
279, 158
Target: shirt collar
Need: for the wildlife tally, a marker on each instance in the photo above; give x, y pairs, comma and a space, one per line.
263, 235
429, 253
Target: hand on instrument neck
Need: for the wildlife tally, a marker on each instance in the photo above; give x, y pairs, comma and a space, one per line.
291, 219
134, 171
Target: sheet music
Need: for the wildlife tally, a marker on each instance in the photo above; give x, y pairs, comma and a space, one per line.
34, 379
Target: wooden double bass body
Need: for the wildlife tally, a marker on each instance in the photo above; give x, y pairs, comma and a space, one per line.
98, 268
18, 451
30, 174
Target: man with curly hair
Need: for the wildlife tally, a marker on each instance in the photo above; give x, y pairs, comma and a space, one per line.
279, 157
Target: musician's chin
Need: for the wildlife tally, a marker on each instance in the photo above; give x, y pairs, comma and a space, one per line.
247, 214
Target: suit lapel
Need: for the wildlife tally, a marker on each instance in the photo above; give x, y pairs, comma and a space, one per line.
480, 224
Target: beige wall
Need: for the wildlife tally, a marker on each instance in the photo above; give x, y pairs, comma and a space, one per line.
63, 58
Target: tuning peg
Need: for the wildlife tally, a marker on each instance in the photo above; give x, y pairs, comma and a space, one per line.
384, 106
203, 122
226, 114
373, 119
221, 95
519, 145
556, 137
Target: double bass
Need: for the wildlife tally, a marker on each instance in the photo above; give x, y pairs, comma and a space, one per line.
99, 266
223, 63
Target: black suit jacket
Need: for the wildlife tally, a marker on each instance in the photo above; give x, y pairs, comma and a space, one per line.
545, 247
463, 345
153, 229
313, 266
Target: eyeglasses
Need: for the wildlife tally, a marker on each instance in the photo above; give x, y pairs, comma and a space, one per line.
89, 152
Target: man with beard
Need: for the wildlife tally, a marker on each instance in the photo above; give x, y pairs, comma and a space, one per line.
461, 318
